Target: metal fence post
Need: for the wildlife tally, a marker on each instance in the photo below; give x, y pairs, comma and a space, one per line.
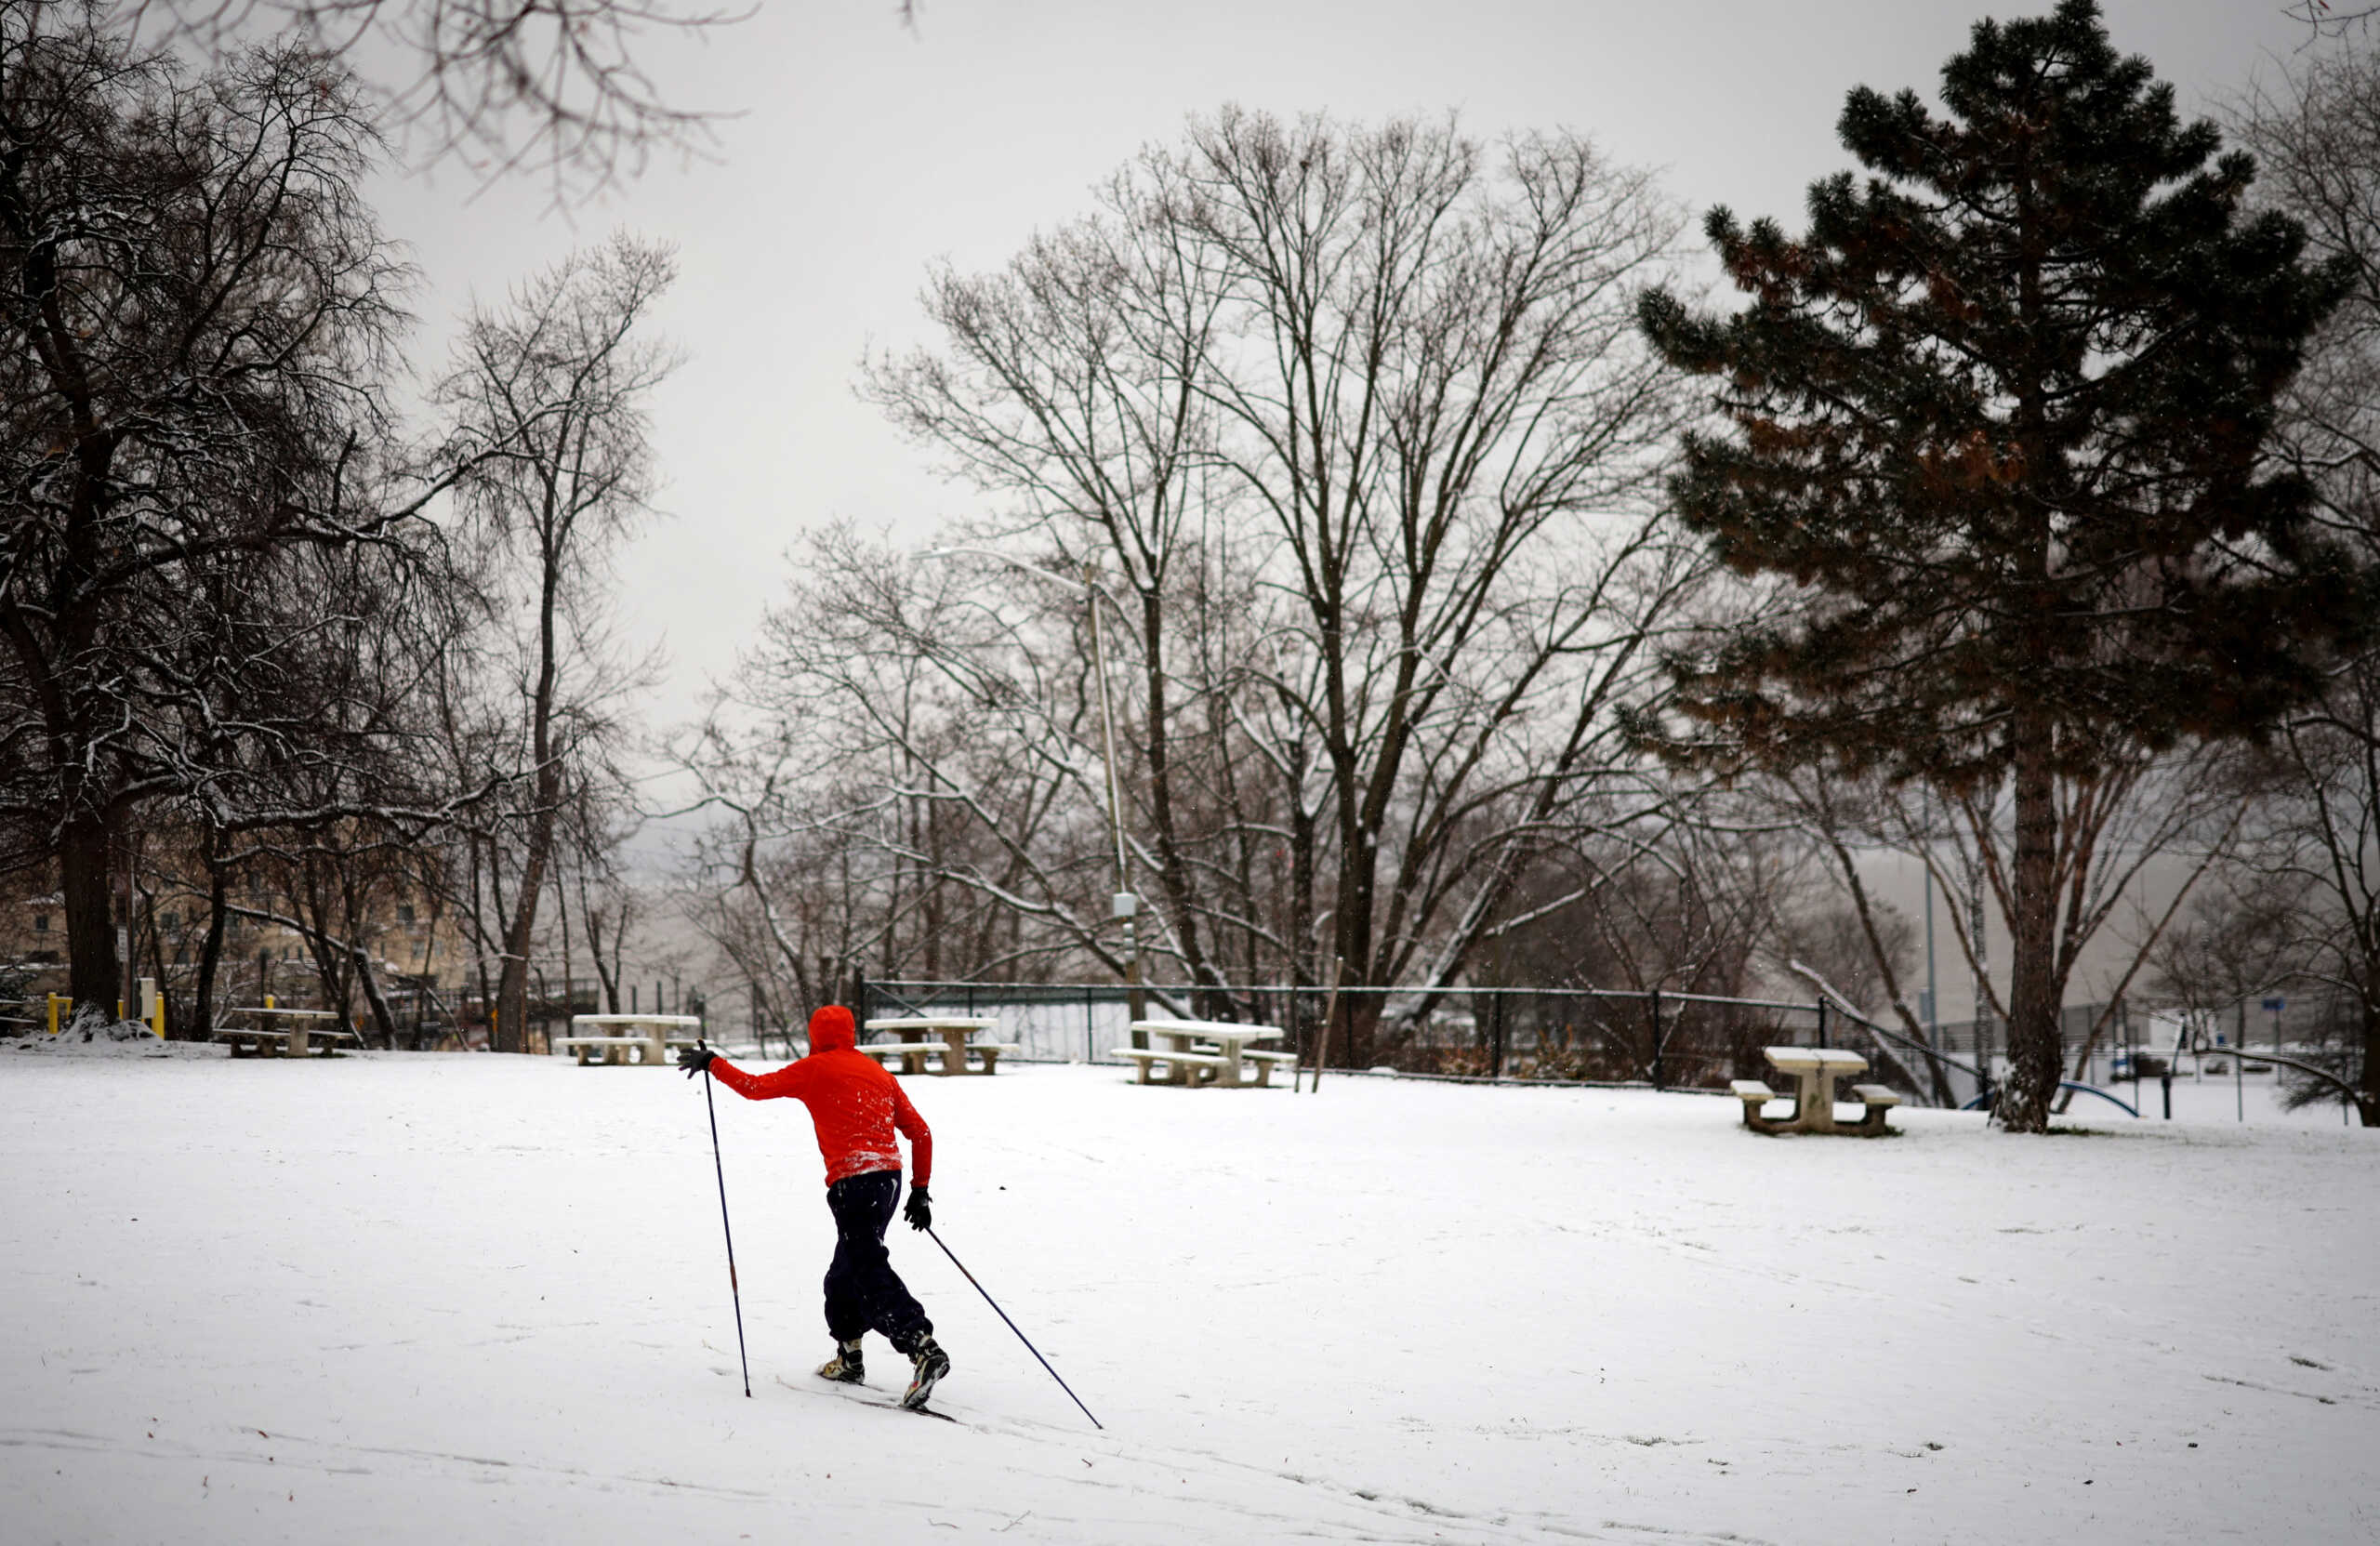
1658, 1083
1496, 1058
1821, 1022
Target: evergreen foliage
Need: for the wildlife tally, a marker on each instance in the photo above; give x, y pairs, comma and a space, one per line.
1997, 435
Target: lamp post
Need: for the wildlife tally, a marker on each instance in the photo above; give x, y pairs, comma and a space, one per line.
1124, 905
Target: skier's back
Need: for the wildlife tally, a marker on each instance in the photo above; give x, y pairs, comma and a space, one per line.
856, 1107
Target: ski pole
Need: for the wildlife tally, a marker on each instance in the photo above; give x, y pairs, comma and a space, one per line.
733, 1288
1012, 1326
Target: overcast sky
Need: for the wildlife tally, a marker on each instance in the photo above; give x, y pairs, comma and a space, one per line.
866, 150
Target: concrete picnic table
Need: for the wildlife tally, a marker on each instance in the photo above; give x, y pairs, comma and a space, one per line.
611, 1038
1813, 1070
954, 1032
1224, 1067
292, 1042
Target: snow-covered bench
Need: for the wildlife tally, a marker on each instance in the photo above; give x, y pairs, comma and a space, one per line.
912, 1055
1265, 1062
1878, 1099
613, 1049
1754, 1094
1182, 1067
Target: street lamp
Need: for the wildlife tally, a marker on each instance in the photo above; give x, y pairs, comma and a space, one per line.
1124, 905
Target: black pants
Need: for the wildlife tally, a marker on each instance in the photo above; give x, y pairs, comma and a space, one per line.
863, 1292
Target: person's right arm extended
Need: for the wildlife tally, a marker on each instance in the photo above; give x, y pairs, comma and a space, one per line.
773, 1085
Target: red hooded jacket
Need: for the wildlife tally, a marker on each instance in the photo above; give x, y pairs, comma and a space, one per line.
854, 1102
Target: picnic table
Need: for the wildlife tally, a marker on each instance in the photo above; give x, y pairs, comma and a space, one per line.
304, 1028
610, 1039
949, 1036
1188, 1061
1813, 1070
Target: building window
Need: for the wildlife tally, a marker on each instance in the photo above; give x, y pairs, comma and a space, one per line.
40, 924
404, 912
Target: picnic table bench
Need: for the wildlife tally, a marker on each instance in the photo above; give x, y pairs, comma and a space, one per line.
953, 1040
1189, 1061
646, 1035
295, 1041
1813, 1070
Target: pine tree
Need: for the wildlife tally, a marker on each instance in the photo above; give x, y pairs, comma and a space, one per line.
1997, 427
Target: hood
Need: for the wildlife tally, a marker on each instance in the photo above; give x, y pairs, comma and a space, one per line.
831, 1030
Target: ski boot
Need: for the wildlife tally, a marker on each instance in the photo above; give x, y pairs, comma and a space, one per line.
844, 1366
931, 1363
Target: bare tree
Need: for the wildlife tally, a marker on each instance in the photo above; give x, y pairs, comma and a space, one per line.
2332, 18
2323, 852
590, 877
908, 784
2234, 940
2115, 823
560, 377
1356, 421
199, 312
561, 87
2317, 142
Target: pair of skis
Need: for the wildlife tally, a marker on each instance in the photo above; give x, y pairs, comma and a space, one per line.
870, 1399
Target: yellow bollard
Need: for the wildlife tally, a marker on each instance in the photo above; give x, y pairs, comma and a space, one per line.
54, 1002
152, 1007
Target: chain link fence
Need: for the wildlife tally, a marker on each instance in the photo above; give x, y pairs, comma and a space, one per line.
1571, 1036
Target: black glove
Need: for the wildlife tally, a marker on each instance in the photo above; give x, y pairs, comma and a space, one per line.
920, 1209
696, 1060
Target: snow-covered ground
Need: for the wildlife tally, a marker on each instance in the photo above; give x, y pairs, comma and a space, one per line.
455, 1299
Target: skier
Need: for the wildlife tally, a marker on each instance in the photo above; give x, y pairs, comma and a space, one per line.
856, 1106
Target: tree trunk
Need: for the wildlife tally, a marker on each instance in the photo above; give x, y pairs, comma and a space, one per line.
513, 983
2368, 1101
219, 902
1352, 937
1352, 931
562, 928
2034, 1047
95, 973
1173, 873
369, 981
512, 988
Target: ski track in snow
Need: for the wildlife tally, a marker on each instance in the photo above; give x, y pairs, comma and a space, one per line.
445, 1298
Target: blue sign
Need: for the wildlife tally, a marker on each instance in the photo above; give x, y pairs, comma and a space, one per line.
2275, 1006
